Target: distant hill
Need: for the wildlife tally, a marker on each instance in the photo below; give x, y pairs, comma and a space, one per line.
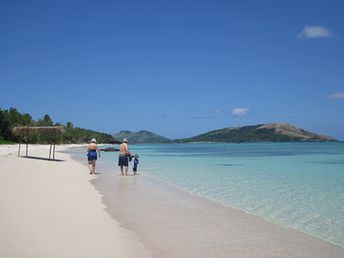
141, 137
273, 132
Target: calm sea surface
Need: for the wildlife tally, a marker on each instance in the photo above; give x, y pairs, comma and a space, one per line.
300, 185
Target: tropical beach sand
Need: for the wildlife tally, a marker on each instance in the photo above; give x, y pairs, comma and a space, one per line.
175, 223
50, 209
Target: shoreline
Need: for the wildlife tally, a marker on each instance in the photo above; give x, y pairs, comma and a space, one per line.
207, 199
172, 222
50, 209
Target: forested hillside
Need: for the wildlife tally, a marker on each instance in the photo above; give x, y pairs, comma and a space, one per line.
13, 118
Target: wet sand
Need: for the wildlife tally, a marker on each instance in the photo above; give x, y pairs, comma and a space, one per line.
174, 223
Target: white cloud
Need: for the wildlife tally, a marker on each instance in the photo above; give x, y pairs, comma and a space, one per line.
238, 112
314, 32
337, 95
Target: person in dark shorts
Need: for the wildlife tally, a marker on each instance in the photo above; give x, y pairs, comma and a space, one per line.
136, 163
92, 156
123, 157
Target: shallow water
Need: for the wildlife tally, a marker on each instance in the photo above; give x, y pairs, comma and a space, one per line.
300, 185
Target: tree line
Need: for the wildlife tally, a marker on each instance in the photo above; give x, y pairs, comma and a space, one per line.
10, 118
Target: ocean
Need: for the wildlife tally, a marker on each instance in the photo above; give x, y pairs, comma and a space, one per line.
297, 185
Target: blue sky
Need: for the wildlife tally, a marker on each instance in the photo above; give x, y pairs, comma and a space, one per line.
177, 68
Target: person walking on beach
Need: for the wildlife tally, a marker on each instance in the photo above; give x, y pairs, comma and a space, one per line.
136, 163
92, 150
123, 156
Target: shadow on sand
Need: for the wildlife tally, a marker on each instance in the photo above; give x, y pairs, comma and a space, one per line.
40, 158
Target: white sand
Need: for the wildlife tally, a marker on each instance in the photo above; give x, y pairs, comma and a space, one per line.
50, 209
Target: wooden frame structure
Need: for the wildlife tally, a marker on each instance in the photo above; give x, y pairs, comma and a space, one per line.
51, 132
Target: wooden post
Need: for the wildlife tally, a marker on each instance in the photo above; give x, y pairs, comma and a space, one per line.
50, 151
54, 152
27, 150
19, 150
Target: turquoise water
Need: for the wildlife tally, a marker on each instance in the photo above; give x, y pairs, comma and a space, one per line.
300, 185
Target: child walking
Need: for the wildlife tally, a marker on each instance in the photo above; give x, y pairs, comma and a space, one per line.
136, 163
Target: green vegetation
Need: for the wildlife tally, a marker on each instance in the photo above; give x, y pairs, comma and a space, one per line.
12, 118
141, 137
79, 135
6, 142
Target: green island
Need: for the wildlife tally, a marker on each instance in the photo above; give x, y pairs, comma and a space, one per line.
142, 136
273, 132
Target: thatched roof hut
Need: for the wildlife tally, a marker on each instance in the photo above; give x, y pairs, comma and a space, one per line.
50, 132
45, 129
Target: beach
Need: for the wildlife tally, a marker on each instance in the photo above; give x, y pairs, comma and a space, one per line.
55, 209
50, 209
173, 223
